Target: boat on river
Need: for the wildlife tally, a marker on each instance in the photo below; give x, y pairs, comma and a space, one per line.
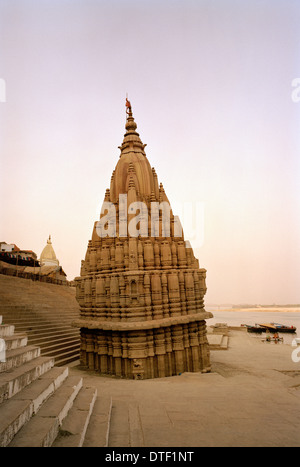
256, 328
275, 339
276, 327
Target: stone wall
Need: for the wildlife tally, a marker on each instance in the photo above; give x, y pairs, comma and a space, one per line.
147, 353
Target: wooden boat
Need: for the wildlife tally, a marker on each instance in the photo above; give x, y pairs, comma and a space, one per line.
273, 339
256, 328
276, 327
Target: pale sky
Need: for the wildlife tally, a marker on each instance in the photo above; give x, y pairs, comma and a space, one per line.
210, 83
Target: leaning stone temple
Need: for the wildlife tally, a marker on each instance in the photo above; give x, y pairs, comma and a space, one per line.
140, 288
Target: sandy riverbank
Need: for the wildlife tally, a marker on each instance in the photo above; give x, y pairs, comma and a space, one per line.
258, 309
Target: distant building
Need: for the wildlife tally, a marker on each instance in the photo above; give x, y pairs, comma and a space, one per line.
8, 247
50, 264
28, 254
48, 257
26, 261
11, 253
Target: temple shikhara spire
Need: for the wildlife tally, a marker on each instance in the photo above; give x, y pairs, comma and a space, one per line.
140, 289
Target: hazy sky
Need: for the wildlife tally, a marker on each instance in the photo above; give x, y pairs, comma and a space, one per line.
210, 84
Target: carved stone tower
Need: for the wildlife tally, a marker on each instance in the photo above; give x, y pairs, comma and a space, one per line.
140, 290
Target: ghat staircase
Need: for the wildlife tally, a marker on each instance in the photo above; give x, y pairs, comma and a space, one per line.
42, 405
44, 312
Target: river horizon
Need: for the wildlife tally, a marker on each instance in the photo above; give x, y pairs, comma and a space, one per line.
255, 316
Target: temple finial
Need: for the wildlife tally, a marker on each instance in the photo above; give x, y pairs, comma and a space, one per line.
131, 137
128, 107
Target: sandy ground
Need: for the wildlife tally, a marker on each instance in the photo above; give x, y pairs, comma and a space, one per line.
251, 398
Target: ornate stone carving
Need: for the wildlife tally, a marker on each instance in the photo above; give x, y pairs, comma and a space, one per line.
141, 296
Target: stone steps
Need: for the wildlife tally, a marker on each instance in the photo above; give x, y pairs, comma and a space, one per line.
63, 358
20, 309
15, 341
37, 331
15, 380
74, 426
218, 341
56, 342
40, 337
115, 423
44, 312
43, 428
34, 321
19, 356
45, 338
22, 306
125, 425
43, 332
66, 356
119, 433
55, 349
40, 404
6, 330
20, 371
18, 411
27, 305
97, 434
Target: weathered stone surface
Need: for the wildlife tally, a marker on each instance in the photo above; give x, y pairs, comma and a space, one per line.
14, 414
44, 312
42, 429
15, 380
73, 429
6, 330
19, 356
99, 426
141, 289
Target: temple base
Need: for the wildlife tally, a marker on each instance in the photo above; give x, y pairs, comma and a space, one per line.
149, 353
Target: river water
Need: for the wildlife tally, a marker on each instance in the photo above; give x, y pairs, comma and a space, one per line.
236, 318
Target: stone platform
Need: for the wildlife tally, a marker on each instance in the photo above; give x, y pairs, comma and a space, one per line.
217, 341
251, 398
